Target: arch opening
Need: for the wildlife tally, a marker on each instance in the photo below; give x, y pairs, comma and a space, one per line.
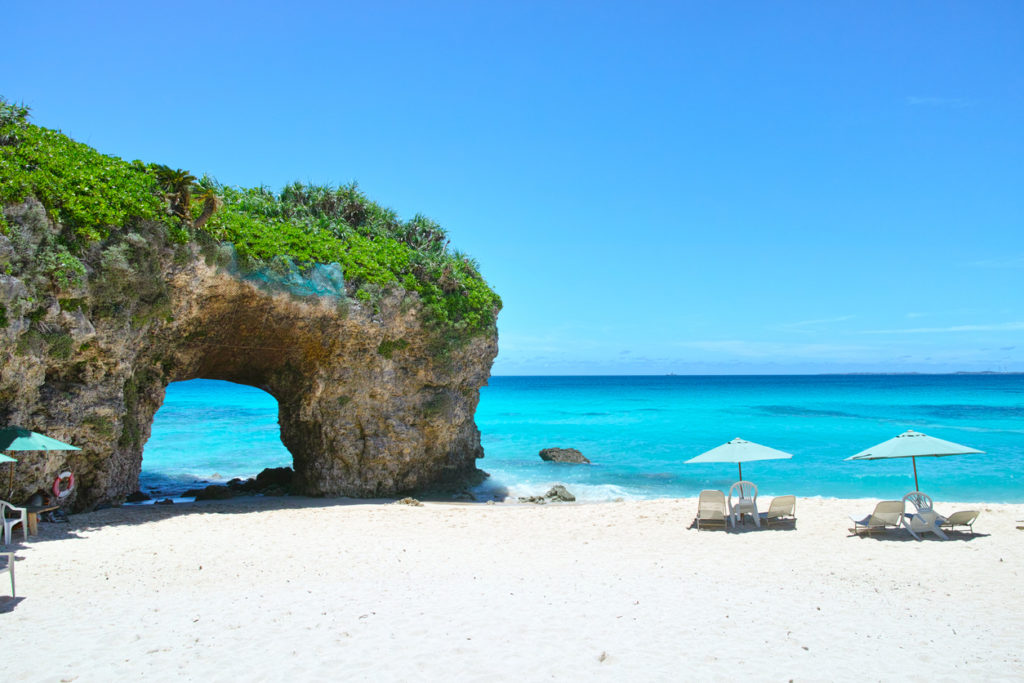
208, 432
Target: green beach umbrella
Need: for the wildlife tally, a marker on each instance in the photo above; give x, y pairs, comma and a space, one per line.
20, 439
739, 452
913, 445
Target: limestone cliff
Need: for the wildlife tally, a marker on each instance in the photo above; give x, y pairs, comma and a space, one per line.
372, 402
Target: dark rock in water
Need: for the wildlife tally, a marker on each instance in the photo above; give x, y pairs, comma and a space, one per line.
165, 501
559, 493
556, 494
274, 476
464, 495
243, 486
566, 455
138, 497
191, 493
214, 492
274, 490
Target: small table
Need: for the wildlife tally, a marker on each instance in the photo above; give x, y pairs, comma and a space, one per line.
33, 516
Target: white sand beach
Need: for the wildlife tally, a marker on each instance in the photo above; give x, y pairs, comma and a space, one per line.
313, 589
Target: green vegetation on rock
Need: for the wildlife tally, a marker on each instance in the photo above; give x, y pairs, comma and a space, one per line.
93, 195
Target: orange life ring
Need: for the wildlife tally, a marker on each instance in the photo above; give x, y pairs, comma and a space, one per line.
63, 493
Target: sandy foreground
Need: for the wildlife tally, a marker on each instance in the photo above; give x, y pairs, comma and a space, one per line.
313, 589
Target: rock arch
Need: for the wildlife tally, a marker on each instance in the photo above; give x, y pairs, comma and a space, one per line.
367, 404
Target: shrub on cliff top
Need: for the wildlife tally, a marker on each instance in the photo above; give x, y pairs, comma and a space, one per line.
93, 193
86, 191
320, 224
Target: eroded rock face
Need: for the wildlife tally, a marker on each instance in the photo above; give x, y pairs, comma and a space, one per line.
368, 406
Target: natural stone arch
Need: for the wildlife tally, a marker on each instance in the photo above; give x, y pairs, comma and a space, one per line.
367, 404
357, 420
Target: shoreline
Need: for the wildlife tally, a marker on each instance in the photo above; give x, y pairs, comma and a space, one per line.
310, 587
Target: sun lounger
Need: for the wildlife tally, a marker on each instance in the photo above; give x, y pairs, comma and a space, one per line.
781, 508
926, 519
963, 518
711, 508
888, 514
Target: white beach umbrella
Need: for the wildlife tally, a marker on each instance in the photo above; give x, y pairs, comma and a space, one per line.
739, 452
913, 445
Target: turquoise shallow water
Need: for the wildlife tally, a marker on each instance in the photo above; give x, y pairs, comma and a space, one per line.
639, 430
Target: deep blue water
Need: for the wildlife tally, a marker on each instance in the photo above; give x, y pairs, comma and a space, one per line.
639, 430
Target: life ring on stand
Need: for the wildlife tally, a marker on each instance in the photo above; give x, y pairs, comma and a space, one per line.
57, 490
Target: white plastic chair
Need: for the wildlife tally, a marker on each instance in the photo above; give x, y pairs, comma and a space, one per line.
21, 517
10, 570
746, 502
711, 508
926, 519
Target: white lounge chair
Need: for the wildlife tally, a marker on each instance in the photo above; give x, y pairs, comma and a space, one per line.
926, 519
888, 514
745, 504
10, 570
963, 518
711, 508
20, 516
781, 508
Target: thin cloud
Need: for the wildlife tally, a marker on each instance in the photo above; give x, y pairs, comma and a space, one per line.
950, 102
998, 327
803, 324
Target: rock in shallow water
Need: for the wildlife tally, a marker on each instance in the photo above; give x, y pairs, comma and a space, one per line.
565, 455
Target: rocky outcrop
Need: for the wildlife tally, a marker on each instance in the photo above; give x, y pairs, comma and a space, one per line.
556, 494
565, 455
371, 402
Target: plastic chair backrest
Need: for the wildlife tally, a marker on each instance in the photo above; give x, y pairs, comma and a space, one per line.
920, 501
744, 490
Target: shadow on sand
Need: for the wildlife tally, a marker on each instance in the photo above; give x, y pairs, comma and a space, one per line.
132, 515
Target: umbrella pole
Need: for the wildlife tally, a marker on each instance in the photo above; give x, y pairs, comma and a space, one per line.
914, 460
741, 470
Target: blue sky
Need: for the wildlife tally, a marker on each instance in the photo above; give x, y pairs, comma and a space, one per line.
693, 187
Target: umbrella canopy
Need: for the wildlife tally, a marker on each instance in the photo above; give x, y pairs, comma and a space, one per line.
19, 439
913, 445
739, 452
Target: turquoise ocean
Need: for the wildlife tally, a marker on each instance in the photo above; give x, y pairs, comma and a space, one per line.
638, 431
